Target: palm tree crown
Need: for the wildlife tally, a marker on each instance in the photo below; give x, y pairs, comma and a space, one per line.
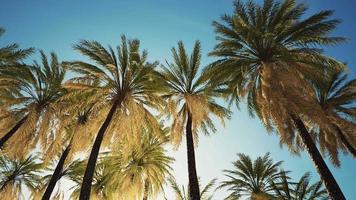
262, 48
123, 76
121, 86
31, 101
144, 166
336, 96
251, 178
17, 173
189, 92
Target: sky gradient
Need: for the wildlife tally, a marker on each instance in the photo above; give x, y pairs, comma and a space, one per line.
160, 24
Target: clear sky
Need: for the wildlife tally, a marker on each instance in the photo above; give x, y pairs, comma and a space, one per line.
56, 25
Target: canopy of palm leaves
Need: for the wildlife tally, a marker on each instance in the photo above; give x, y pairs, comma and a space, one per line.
129, 172
182, 193
268, 53
103, 186
11, 54
251, 178
124, 76
337, 97
78, 133
143, 166
31, 93
189, 91
15, 174
301, 190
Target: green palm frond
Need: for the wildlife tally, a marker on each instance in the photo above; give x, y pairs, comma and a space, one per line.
15, 174
11, 55
182, 193
249, 178
303, 189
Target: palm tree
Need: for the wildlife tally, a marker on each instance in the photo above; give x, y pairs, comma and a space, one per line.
191, 103
268, 54
16, 174
77, 138
182, 194
301, 190
337, 96
12, 55
144, 166
31, 106
124, 90
251, 178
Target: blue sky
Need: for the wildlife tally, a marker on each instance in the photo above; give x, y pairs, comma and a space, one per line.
159, 24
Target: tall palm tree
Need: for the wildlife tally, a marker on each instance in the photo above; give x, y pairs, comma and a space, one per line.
18, 173
337, 96
301, 190
31, 105
12, 55
268, 54
125, 89
191, 102
251, 178
144, 166
182, 194
77, 138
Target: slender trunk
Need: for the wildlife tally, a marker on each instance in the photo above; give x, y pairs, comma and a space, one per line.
57, 173
192, 171
9, 134
325, 174
89, 171
344, 141
145, 192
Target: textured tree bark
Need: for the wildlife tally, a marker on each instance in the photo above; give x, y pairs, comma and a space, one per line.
145, 192
326, 176
192, 171
56, 174
89, 171
9, 134
344, 140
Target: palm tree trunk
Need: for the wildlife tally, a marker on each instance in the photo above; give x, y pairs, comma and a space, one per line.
326, 176
89, 171
145, 192
192, 171
9, 134
57, 173
344, 140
